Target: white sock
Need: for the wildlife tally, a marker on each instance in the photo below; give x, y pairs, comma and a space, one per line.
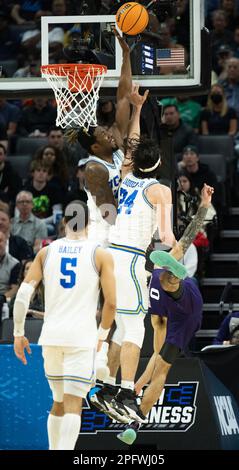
110, 381
127, 384
53, 430
69, 431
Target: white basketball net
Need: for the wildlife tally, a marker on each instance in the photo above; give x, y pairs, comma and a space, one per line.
76, 94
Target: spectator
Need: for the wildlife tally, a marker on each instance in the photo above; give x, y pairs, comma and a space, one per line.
230, 9
24, 12
10, 182
47, 201
231, 84
17, 246
25, 224
10, 116
218, 118
182, 133
37, 118
9, 269
188, 109
58, 175
72, 153
230, 322
219, 63
220, 34
77, 192
9, 39
199, 172
36, 307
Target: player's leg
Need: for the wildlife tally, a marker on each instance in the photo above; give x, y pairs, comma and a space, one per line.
151, 395
79, 374
71, 422
54, 371
132, 302
101, 398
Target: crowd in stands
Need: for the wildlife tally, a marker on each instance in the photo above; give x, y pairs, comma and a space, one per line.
30, 208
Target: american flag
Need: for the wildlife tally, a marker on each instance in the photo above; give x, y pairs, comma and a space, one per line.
166, 57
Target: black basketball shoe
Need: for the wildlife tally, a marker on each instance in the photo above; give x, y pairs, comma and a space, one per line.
102, 400
126, 404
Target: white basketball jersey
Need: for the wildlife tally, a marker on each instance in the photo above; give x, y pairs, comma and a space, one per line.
71, 294
98, 224
136, 220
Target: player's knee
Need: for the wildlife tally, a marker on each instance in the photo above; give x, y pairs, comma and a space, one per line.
57, 389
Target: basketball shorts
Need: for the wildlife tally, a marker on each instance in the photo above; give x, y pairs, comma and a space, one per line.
69, 370
131, 293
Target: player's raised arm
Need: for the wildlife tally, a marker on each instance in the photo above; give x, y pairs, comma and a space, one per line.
137, 101
195, 225
21, 305
124, 88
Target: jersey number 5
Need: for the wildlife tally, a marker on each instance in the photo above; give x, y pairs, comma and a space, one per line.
67, 263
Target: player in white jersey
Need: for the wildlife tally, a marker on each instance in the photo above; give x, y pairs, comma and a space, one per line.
103, 169
144, 205
72, 269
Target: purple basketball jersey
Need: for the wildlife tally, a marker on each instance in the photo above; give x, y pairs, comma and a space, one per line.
184, 315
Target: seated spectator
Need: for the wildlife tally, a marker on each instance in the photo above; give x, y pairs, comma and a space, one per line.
9, 39
47, 201
9, 270
10, 182
217, 118
182, 133
200, 173
188, 199
188, 109
24, 12
17, 246
230, 322
10, 116
58, 175
223, 54
31, 66
31, 41
36, 307
231, 84
71, 153
25, 224
37, 118
77, 190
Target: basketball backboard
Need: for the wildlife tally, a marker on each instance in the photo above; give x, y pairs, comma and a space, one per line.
159, 62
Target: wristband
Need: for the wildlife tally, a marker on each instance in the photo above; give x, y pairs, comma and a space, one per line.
102, 333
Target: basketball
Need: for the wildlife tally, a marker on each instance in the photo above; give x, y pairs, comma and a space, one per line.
132, 18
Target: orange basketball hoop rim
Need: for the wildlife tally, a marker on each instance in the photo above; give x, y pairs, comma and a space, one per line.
79, 76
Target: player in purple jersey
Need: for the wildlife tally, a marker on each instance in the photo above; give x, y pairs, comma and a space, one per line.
176, 313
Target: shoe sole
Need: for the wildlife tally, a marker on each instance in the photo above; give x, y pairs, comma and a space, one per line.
133, 416
128, 436
109, 412
128, 413
167, 261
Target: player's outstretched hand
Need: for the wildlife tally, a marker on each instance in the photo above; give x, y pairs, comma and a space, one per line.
135, 98
206, 195
20, 344
123, 44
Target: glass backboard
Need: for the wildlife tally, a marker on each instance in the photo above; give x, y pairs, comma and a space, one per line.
162, 59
